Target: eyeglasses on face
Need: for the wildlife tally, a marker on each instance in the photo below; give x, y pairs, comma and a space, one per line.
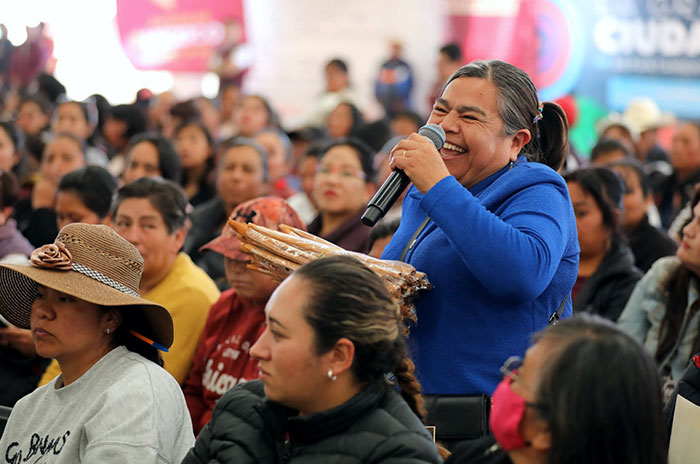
509, 369
343, 173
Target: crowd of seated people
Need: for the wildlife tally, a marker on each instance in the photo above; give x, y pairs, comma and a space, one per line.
318, 367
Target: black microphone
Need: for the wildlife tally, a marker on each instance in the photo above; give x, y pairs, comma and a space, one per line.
397, 181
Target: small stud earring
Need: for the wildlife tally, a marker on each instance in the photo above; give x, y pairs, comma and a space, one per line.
108, 330
331, 376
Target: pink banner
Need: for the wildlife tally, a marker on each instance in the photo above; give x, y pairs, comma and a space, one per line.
178, 35
486, 31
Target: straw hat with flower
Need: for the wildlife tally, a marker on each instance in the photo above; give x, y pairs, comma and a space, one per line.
89, 262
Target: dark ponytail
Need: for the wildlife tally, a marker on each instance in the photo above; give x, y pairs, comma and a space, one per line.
348, 300
553, 133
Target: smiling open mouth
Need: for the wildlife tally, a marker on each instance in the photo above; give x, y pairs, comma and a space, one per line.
454, 149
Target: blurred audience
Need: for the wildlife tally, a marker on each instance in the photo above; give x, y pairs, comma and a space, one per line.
85, 195
122, 123
195, 147
280, 161
241, 175
33, 115
228, 100
253, 114
344, 121
449, 61
304, 202
36, 215
674, 192
14, 248
606, 273
607, 151
237, 319
380, 236
662, 312
405, 123
151, 155
11, 149
178, 114
80, 119
647, 242
343, 185
338, 89
394, 82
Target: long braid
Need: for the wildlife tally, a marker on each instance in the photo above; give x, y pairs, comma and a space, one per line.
410, 388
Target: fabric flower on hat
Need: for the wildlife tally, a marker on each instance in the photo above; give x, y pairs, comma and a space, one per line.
52, 256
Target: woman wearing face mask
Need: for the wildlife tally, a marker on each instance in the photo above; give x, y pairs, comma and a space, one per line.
333, 335
585, 393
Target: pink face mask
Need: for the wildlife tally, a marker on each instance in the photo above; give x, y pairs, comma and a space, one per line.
507, 412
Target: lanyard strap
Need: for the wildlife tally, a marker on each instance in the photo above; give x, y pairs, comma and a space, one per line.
554, 318
414, 237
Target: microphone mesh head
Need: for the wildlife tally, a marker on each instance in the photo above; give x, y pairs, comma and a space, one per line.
434, 133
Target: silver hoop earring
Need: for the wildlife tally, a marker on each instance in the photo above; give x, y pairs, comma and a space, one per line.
331, 377
108, 330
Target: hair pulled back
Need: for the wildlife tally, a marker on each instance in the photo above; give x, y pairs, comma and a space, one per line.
600, 395
518, 106
348, 300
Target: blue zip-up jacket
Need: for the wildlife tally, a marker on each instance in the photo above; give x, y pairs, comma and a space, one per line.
501, 257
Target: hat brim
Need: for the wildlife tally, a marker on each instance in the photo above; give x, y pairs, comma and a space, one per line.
226, 246
18, 292
664, 119
615, 120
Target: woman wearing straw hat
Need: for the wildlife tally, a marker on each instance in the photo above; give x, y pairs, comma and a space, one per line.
113, 402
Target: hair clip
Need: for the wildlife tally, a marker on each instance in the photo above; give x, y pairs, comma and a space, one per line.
153, 343
538, 117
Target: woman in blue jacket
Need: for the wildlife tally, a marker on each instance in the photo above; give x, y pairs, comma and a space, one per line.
497, 232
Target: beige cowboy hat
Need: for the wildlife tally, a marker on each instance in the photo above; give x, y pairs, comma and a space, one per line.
642, 114
89, 262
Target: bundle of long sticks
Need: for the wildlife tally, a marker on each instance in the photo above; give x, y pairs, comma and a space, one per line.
278, 253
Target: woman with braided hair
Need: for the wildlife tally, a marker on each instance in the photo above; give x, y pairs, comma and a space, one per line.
333, 335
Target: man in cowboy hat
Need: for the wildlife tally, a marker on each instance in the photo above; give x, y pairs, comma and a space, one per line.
80, 298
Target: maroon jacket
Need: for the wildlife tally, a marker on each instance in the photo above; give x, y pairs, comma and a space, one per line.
222, 359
